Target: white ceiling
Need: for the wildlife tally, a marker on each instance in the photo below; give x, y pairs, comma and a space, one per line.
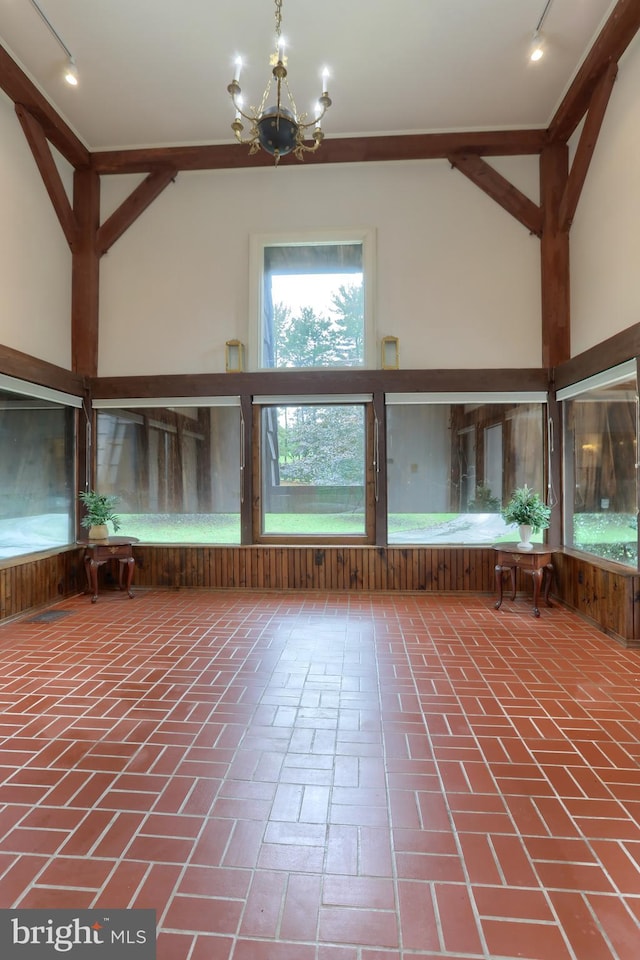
154, 73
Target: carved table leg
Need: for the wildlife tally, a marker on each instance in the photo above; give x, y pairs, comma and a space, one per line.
537, 580
92, 576
130, 564
498, 586
548, 571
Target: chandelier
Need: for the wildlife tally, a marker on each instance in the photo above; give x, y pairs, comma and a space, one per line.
278, 129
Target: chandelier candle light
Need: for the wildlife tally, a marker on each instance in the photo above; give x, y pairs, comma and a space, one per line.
278, 129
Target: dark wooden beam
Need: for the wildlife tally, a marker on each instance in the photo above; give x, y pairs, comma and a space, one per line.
426, 146
49, 172
554, 258
20, 89
296, 382
85, 273
500, 189
586, 146
13, 363
613, 40
608, 353
131, 208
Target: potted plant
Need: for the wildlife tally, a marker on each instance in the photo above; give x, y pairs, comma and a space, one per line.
99, 511
529, 512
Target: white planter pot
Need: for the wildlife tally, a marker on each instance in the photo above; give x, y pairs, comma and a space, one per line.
525, 532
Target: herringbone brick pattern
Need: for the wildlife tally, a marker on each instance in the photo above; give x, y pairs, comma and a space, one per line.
326, 777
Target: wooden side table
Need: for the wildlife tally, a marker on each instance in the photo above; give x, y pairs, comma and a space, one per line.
535, 562
97, 552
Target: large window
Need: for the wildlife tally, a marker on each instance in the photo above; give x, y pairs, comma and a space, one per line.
312, 303
175, 468
600, 428
452, 466
313, 472
37, 496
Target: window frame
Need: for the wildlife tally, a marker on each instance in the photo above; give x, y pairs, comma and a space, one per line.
288, 539
257, 245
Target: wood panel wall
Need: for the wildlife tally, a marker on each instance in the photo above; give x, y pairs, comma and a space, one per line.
365, 568
26, 584
604, 593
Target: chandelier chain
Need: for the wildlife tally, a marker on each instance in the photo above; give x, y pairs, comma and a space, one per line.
278, 17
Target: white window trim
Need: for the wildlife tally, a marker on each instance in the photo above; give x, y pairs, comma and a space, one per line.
129, 403
364, 235
38, 392
606, 378
532, 396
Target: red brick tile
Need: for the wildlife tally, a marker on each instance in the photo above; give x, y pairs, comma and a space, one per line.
620, 926
458, 927
368, 927
76, 872
263, 905
300, 912
117, 893
532, 941
479, 859
417, 917
579, 926
51, 899
573, 876
346, 891
270, 950
512, 903
208, 948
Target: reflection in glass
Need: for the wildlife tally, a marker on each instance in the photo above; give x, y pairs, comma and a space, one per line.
176, 471
37, 502
600, 472
452, 467
313, 470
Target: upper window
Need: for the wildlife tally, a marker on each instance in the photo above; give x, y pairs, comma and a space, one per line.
311, 298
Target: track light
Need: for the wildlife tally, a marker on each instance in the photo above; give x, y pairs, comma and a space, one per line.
537, 45
71, 73
536, 51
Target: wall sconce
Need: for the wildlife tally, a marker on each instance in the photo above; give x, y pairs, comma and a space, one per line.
234, 356
390, 353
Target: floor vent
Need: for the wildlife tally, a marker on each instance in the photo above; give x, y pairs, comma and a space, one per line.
48, 616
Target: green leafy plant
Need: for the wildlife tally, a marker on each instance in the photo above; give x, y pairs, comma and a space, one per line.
99, 509
526, 507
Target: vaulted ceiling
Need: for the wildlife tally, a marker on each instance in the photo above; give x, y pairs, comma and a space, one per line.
154, 73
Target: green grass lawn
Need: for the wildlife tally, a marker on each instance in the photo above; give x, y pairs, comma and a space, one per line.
611, 536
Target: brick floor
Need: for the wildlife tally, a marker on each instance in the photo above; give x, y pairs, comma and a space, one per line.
326, 777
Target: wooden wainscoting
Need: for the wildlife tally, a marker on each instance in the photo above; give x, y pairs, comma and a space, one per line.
317, 567
607, 594
27, 583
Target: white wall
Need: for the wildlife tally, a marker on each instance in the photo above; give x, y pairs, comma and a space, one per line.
457, 277
35, 261
605, 236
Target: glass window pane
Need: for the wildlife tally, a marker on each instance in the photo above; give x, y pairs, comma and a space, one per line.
37, 496
312, 304
452, 467
313, 470
600, 472
176, 471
